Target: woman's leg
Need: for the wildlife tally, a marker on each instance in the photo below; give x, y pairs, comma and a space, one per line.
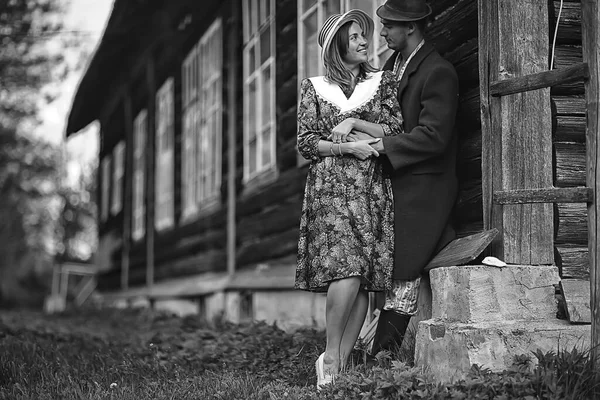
353, 326
341, 296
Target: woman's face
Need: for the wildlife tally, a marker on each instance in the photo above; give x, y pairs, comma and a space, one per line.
357, 46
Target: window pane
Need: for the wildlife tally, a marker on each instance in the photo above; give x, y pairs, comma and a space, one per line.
252, 59
332, 7
309, 3
266, 96
365, 5
265, 45
266, 147
252, 116
252, 156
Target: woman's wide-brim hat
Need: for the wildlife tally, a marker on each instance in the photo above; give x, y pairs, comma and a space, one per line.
404, 10
336, 21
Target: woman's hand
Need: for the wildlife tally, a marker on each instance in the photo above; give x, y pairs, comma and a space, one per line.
357, 135
340, 132
362, 149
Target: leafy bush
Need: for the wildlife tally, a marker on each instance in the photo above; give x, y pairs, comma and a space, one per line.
140, 354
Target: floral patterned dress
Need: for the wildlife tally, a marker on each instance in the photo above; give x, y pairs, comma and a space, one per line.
347, 222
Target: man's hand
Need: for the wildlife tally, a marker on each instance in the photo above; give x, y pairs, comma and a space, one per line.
357, 135
378, 147
363, 149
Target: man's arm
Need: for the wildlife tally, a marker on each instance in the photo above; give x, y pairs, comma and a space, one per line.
431, 137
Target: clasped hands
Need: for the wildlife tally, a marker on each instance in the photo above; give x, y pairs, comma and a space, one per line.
358, 143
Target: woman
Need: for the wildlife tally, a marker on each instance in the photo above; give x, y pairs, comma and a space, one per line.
346, 229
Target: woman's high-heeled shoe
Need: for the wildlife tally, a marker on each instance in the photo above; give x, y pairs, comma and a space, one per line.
323, 377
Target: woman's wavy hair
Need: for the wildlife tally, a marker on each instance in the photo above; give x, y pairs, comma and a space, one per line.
335, 70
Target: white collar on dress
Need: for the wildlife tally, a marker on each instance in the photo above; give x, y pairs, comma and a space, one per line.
363, 92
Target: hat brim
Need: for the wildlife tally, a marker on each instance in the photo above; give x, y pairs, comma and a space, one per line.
358, 16
384, 12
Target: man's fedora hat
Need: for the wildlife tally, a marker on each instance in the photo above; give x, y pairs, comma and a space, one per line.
404, 10
335, 22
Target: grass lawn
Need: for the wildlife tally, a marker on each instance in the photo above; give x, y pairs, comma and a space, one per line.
140, 354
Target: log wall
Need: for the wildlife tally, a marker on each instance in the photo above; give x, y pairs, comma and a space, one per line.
569, 143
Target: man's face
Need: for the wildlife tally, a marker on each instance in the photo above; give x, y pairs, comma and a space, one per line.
395, 34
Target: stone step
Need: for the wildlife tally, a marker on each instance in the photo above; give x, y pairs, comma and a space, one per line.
447, 350
478, 293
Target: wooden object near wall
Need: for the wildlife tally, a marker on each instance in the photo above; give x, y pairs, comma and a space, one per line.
516, 129
128, 192
590, 16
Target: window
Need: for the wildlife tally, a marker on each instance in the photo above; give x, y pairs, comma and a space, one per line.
259, 87
139, 166
379, 50
164, 156
312, 14
118, 173
202, 121
106, 177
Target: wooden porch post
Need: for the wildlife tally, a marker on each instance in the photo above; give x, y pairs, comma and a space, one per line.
150, 165
590, 17
516, 128
127, 194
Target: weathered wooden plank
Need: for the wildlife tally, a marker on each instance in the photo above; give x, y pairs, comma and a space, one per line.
469, 206
546, 195
539, 80
570, 129
573, 261
570, 164
590, 22
289, 183
572, 224
570, 105
281, 217
208, 261
461, 251
469, 113
468, 228
569, 30
491, 160
576, 295
526, 132
268, 248
454, 26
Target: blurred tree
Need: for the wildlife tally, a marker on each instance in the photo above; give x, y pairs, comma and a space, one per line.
31, 171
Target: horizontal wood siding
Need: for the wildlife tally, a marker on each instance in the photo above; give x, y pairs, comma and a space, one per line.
569, 143
189, 247
454, 34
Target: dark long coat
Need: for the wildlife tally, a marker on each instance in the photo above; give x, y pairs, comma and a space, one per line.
423, 161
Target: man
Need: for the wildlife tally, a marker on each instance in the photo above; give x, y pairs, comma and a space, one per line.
423, 160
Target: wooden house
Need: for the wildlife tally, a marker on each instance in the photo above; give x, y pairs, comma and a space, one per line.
200, 185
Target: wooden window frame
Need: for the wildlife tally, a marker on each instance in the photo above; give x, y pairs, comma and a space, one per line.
118, 176
140, 131
105, 193
256, 20
202, 101
165, 155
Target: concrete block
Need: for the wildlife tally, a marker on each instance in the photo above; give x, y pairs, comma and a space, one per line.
214, 305
232, 307
484, 293
289, 309
178, 307
576, 293
448, 350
